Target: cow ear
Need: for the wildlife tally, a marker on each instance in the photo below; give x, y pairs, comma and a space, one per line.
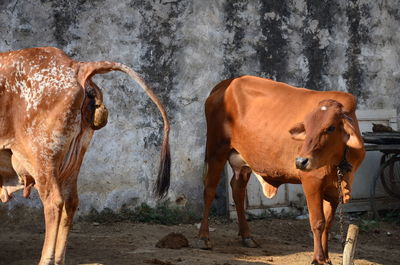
298, 132
352, 139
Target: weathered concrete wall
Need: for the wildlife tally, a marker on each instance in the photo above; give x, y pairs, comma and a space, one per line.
183, 48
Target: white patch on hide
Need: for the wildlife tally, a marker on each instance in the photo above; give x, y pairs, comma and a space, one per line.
37, 84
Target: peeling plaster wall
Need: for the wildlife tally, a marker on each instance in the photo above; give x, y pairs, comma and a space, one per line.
183, 48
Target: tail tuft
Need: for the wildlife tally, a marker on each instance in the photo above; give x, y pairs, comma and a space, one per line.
163, 179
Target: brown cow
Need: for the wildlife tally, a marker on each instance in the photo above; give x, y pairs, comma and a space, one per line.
49, 108
283, 134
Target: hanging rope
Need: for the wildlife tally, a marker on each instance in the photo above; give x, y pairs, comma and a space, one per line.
343, 168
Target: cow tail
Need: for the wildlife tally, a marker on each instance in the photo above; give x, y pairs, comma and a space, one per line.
88, 69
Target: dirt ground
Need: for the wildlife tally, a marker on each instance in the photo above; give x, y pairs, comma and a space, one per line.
282, 242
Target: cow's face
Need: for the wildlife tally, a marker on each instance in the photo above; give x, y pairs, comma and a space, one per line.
325, 132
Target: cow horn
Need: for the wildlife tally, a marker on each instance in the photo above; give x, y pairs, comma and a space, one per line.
347, 117
88, 69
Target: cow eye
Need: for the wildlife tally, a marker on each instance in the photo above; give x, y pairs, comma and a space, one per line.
330, 129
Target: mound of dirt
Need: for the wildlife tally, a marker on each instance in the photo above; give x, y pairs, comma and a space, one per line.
173, 240
159, 262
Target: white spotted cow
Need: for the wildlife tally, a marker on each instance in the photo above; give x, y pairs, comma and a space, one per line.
49, 109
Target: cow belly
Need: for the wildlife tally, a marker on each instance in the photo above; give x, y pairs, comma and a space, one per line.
239, 165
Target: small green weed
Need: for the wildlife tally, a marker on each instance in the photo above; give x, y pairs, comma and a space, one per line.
368, 225
164, 213
272, 214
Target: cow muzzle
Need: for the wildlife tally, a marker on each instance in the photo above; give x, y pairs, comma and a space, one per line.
302, 163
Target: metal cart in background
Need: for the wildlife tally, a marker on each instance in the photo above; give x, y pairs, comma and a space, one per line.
388, 143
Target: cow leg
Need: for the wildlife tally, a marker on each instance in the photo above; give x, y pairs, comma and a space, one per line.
329, 213
312, 189
52, 200
238, 183
68, 212
211, 181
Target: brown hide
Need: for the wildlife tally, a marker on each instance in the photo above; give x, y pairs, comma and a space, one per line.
49, 107
255, 115
271, 125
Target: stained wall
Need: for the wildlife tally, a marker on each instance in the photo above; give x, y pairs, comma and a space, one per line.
185, 47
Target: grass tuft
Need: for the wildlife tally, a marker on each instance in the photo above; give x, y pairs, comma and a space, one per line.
164, 213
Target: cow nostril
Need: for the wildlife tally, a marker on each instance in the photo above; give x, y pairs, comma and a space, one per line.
301, 162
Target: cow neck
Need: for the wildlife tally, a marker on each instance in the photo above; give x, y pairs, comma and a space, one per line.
344, 165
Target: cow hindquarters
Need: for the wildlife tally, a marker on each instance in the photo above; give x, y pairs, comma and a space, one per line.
215, 167
238, 184
49, 192
313, 191
68, 212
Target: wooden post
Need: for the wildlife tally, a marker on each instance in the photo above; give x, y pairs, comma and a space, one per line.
350, 245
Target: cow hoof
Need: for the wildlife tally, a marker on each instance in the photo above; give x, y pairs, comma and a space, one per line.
328, 262
204, 243
250, 243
